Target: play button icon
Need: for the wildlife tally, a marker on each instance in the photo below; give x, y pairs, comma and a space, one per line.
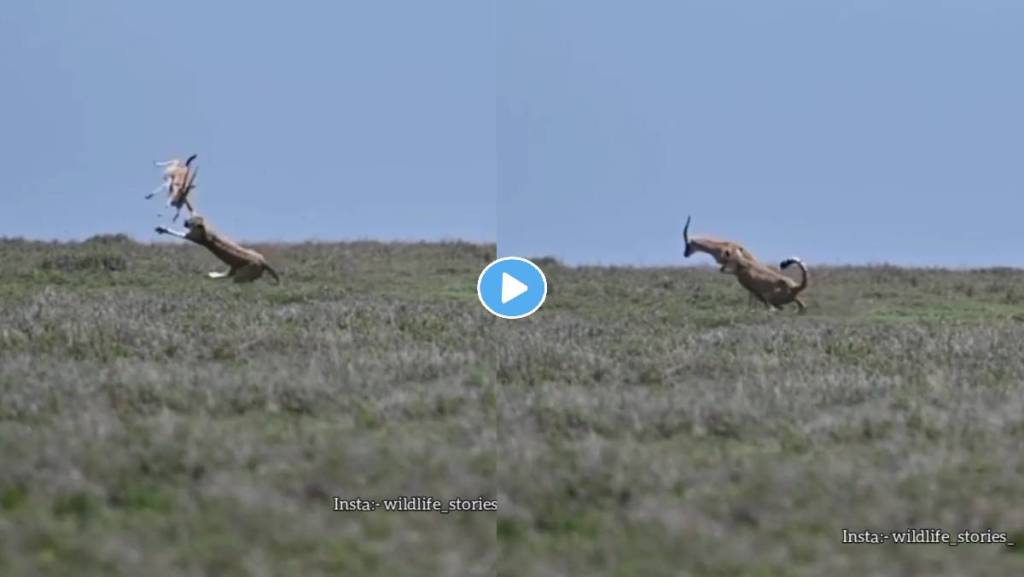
512, 287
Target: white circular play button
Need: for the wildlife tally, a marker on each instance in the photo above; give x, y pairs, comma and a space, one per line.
512, 288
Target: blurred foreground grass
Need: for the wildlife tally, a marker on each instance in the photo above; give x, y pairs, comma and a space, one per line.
650, 424
644, 423
155, 422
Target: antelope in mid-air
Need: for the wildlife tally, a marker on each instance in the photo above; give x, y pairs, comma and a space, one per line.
244, 264
179, 180
772, 287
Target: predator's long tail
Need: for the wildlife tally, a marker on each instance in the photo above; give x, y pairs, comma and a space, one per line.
803, 271
273, 273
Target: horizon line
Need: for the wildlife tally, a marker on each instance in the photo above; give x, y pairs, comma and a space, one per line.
547, 259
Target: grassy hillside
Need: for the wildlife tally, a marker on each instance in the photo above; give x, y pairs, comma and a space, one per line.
644, 423
154, 422
650, 424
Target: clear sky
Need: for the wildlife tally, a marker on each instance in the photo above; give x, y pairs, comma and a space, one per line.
843, 132
329, 120
840, 132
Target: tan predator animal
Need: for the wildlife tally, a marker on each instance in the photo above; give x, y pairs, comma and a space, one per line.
772, 287
244, 264
715, 248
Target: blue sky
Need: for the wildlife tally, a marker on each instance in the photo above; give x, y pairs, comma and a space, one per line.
328, 120
846, 132
840, 132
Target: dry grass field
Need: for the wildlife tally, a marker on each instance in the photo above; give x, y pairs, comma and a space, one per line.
155, 422
643, 423
650, 424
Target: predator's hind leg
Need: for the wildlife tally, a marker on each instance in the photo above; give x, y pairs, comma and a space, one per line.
751, 299
767, 304
249, 273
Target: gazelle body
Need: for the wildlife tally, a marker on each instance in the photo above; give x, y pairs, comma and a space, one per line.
179, 180
711, 246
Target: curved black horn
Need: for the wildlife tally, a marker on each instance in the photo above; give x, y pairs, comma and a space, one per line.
686, 230
190, 159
